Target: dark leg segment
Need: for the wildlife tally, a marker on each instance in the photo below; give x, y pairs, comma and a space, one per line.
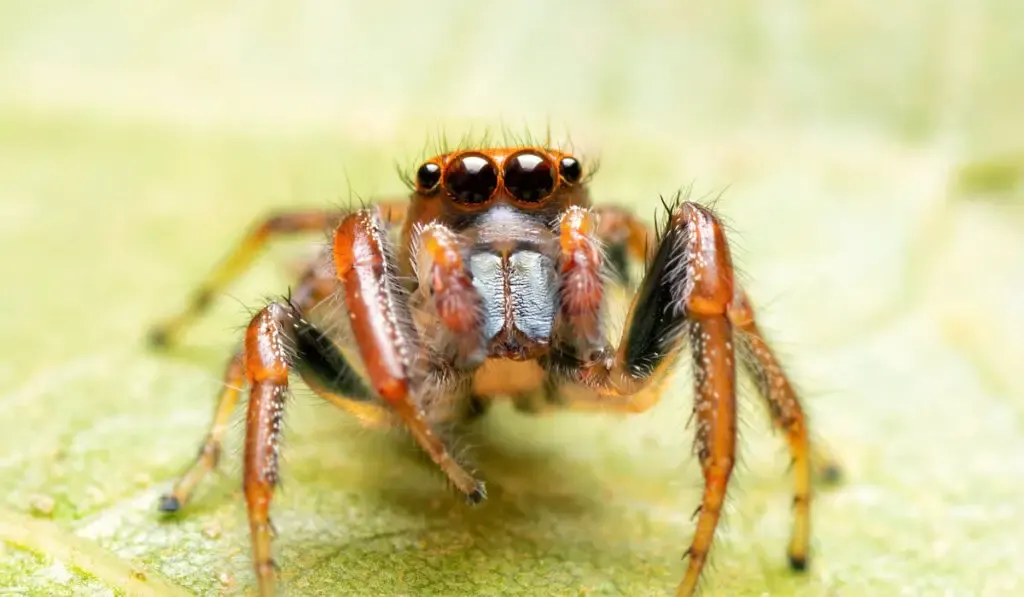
328, 373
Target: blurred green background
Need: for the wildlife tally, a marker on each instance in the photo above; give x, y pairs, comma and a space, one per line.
868, 156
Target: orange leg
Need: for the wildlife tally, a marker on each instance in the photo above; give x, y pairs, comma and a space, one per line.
388, 343
311, 289
720, 317
684, 296
715, 410
619, 227
266, 369
279, 341
245, 253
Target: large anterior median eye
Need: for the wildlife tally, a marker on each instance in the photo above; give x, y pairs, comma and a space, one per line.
471, 178
529, 176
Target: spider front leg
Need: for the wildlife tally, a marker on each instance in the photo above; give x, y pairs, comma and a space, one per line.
389, 345
619, 228
685, 296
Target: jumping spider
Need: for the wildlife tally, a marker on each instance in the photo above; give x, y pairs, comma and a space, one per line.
490, 280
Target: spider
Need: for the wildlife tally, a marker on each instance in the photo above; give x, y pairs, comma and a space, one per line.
491, 281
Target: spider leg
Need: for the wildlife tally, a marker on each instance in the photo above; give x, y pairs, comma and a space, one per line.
389, 345
209, 451
786, 413
685, 296
756, 356
245, 253
267, 365
312, 288
277, 342
237, 262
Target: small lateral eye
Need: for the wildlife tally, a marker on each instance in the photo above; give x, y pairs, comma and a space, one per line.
570, 169
471, 178
529, 176
427, 177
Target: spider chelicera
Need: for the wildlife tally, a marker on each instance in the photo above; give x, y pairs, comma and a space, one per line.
490, 281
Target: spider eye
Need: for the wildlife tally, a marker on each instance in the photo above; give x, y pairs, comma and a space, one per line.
471, 178
570, 169
529, 177
427, 177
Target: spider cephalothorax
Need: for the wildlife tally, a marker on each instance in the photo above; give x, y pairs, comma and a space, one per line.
488, 282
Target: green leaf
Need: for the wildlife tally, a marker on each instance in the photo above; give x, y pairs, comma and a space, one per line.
138, 142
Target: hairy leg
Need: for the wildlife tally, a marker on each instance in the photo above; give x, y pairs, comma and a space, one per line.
279, 341
389, 345
311, 289
684, 296
652, 337
267, 365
